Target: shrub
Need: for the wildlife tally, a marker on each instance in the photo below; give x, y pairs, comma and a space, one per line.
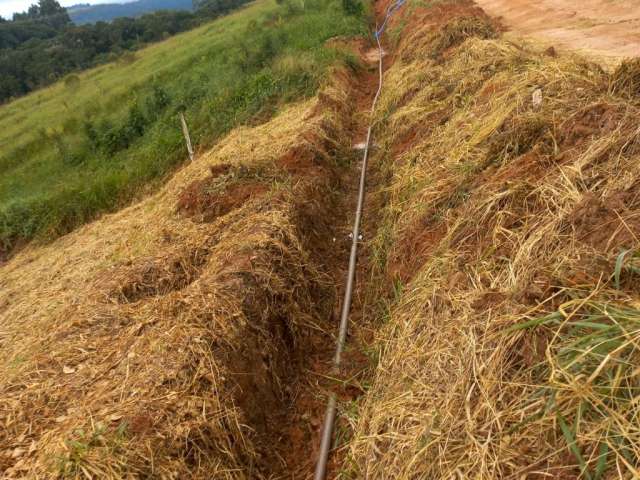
352, 7
72, 81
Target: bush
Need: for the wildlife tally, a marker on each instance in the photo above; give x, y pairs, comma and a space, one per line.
72, 81
158, 101
127, 58
352, 7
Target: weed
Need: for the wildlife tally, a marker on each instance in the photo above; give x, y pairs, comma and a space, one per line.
591, 378
100, 441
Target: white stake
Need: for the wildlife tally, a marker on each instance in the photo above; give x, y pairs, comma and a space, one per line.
187, 139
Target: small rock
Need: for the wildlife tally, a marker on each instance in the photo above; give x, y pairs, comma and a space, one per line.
18, 452
537, 98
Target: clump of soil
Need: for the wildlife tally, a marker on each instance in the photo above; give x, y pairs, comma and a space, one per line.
594, 119
607, 224
227, 188
414, 247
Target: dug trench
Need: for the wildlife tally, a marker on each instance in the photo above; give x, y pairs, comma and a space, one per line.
324, 214
284, 403
327, 230
210, 355
193, 333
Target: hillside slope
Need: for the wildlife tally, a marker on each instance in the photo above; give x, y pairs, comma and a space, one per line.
98, 140
496, 317
158, 341
510, 249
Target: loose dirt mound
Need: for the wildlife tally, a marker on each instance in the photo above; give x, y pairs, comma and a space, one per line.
510, 236
609, 29
159, 341
225, 190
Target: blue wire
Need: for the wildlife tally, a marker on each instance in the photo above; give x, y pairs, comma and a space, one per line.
390, 11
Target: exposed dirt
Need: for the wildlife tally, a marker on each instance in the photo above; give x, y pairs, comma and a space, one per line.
207, 199
594, 119
601, 28
610, 224
289, 427
295, 430
417, 244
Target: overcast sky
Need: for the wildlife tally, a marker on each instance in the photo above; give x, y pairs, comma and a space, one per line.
9, 7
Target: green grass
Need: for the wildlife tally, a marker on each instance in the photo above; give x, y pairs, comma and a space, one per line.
590, 379
76, 149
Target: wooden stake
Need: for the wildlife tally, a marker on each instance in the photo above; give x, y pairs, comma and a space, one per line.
187, 139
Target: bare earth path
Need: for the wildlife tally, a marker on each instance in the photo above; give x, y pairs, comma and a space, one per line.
604, 29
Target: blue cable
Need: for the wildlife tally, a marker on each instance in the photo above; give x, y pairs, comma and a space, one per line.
390, 11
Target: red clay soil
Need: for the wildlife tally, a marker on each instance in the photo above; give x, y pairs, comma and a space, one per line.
600, 28
608, 225
291, 430
296, 439
414, 247
202, 201
578, 128
440, 14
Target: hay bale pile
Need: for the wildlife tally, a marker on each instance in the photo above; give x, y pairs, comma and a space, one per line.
511, 235
156, 342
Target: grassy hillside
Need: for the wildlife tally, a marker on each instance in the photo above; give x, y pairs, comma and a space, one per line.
158, 342
89, 144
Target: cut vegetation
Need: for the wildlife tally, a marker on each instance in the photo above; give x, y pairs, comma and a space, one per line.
496, 321
167, 342
510, 235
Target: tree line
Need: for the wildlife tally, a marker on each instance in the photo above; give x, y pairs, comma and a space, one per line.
42, 45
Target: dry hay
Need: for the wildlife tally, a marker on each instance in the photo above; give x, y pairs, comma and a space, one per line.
510, 233
155, 342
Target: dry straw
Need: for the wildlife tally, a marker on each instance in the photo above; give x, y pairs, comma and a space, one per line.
512, 348
151, 344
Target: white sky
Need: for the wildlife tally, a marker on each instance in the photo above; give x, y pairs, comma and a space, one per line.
9, 7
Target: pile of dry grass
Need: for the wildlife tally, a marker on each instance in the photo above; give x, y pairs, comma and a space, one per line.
156, 342
510, 232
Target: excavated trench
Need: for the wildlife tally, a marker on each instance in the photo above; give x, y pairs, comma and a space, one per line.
280, 360
288, 430
193, 334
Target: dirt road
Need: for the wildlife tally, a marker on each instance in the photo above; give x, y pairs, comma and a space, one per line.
605, 29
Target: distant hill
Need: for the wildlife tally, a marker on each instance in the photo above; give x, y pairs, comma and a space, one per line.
85, 13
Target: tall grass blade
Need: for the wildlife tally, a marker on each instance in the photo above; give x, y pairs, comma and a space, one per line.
618, 268
601, 466
573, 446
